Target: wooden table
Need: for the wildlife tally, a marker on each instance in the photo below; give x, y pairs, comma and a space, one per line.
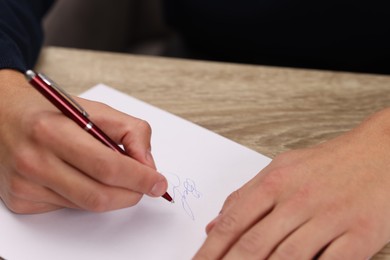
268, 109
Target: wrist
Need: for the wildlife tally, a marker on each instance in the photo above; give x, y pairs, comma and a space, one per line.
13, 88
12, 81
9, 75
381, 120
376, 129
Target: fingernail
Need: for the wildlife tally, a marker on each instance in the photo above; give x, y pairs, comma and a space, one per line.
159, 188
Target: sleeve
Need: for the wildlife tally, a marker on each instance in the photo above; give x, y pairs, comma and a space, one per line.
21, 33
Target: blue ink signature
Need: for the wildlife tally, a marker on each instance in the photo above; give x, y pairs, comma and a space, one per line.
183, 190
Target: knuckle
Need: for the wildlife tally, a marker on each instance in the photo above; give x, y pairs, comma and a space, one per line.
365, 224
288, 250
304, 192
24, 163
40, 127
96, 201
301, 199
144, 126
277, 177
228, 224
272, 181
232, 198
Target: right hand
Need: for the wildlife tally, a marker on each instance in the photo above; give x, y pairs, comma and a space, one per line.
47, 162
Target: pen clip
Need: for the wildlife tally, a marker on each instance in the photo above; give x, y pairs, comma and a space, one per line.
63, 93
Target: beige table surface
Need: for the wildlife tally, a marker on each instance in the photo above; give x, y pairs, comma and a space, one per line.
266, 109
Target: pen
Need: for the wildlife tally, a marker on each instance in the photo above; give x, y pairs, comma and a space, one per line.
70, 108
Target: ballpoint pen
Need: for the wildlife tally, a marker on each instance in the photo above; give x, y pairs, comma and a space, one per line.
70, 108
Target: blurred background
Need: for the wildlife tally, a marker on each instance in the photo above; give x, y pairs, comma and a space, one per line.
353, 38
134, 26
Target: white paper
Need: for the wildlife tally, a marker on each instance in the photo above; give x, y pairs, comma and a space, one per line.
186, 154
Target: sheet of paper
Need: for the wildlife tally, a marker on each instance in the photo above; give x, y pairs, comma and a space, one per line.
202, 167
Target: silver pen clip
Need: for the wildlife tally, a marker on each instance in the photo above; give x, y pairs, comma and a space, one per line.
63, 93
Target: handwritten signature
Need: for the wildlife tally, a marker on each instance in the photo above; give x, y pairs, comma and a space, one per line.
182, 191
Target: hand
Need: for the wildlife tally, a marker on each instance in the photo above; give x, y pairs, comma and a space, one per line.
331, 201
48, 162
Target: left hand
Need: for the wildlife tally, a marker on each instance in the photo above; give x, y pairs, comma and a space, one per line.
331, 201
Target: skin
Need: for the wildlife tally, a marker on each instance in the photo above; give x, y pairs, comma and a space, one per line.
329, 201
337, 190
42, 171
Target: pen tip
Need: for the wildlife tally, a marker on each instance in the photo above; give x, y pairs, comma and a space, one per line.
172, 201
167, 197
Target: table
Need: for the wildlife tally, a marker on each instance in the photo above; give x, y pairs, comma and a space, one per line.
267, 109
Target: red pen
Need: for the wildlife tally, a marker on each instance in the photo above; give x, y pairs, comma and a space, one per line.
70, 108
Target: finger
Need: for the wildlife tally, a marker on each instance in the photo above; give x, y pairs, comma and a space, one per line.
76, 186
236, 195
99, 162
259, 241
25, 190
89, 194
137, 143
21, 206
350, 246
234, 222
320, 231
229, 202
132, 132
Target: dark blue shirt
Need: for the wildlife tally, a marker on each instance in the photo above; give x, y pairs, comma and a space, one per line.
21, 32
